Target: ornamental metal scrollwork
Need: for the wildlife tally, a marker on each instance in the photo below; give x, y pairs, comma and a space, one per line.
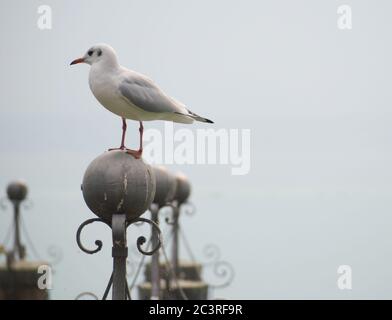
119, 229
98, 243
221, 269
142, 240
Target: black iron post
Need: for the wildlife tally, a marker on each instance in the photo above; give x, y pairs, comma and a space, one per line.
119, 188
17, 192
164, 194
19, 279
175, 246
17, 244
119, 254
155, 268
183, 190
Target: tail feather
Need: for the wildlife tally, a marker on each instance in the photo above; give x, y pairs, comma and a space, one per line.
201, 119
198, 118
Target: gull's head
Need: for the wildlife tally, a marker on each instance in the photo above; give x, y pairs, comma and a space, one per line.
100, 53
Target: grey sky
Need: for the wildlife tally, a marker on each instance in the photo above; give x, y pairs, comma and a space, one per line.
317, 100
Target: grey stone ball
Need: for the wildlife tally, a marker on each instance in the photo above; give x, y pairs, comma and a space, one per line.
183, 190
116, 182
165, 186
17, 191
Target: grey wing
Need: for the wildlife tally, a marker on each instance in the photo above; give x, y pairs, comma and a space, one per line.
143, 93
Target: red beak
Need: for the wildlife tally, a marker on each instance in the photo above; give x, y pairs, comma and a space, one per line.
76, 61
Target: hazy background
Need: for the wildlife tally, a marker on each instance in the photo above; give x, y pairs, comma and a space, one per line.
317, 100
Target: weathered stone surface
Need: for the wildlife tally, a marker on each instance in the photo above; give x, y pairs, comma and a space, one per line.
116, 182
183, 189
17, 191
187, 271
20, 281
165, 186
193, 290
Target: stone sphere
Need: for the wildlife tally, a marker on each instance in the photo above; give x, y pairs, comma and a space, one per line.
165, 186
17, 191
115, 183
183, 189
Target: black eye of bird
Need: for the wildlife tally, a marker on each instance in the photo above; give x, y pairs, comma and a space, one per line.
90, 53
99, 53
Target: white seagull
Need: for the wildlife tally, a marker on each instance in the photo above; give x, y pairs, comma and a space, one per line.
130, 95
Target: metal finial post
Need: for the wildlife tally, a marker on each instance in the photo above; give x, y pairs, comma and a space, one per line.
18, 247
175, 247
119, 254
183, 191
118, 188
155, 268
164, 194
17, 192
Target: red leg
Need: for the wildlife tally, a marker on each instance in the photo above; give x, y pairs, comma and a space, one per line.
124, 130
141, 129
138, 153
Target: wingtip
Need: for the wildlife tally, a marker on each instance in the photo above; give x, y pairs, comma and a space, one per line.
209, 121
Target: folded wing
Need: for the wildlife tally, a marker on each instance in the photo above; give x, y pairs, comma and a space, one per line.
144, 94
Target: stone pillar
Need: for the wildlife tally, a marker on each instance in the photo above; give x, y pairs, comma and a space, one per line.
20, 281
19, 277
118, 188
188, 280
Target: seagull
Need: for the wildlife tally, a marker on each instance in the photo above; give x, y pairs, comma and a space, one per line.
130, 95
